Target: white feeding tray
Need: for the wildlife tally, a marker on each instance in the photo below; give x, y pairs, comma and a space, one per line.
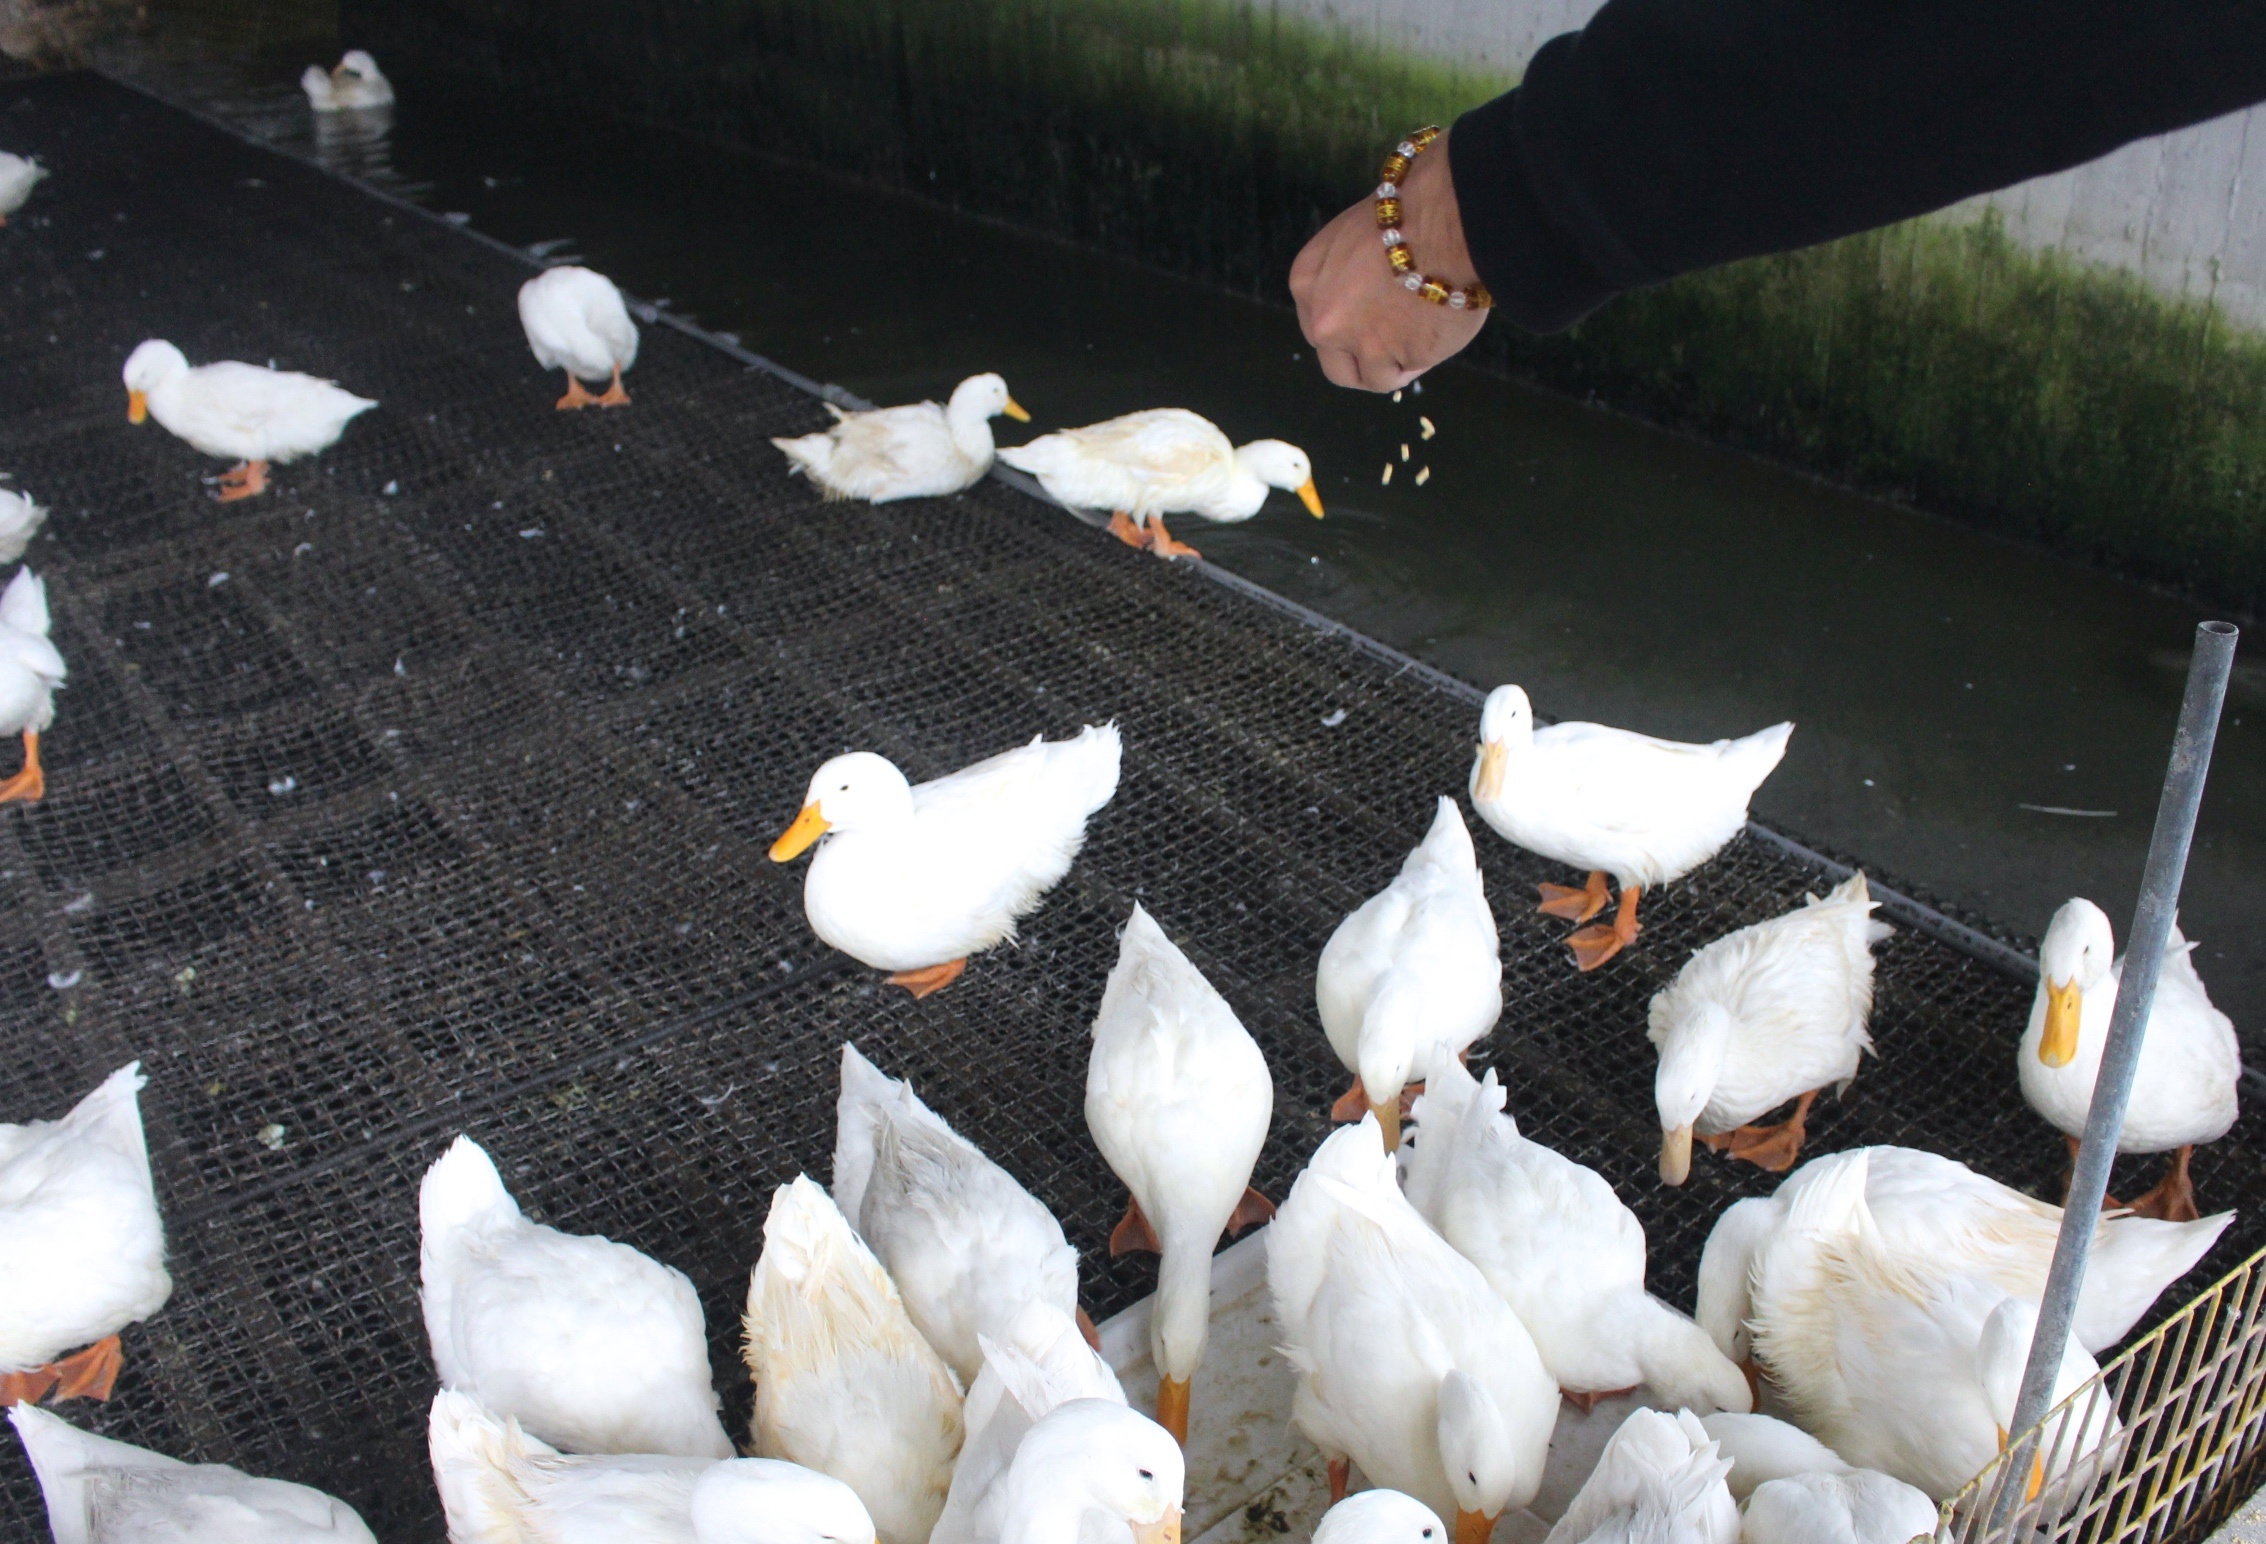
1253, 1479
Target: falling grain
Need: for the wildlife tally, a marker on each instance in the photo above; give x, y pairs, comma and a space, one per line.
1423, 476
1404, 452
1429, 431
1387, 479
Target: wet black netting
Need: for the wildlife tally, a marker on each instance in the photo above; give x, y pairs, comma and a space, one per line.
430, 793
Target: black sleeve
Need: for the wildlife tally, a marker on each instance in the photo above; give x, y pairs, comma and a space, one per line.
1670, 135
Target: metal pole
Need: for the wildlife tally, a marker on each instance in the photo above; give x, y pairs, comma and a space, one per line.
2136, 996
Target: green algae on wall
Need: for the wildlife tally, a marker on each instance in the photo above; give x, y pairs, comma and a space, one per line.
2022, 391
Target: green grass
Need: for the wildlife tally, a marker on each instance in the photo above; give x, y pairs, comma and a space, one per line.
2023, 392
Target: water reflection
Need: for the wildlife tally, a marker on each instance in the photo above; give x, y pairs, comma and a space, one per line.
356, 142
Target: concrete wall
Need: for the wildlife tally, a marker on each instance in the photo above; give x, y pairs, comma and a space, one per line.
2185, 211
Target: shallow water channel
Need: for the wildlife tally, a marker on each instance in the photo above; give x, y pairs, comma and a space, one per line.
1976, 718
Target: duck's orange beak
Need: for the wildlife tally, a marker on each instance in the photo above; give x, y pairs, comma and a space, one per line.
1165, 1530
2065, 1006
137, 406
1016, 411
1494, 766
1311, 497
809, 826
1474, 1527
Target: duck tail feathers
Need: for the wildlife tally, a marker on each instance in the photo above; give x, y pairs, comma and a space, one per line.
475, 1456
460, 1188
23, 605
1098, 752
1751, 758
2134, 1260
1833, 1199
113, 1112
316, 83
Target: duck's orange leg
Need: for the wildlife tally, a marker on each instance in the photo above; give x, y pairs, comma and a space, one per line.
930, 979
2108, 1202
614, 395
1572, 904
28, 1387
243, 482
1341, 1475
576, 396
1249, 1212
1768, 1147
2173, 1198
30, 785
1128, 530
1133, 1235
1599, 942
1162, 544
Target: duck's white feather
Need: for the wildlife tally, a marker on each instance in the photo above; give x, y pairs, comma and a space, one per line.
1659, 1481
239, 411
1763, 1448
1041, 1363
1795, 993
1378, 1315
1414, 975
1552, 1237
82, 1248
99, 1491
355, 84
1178, 1098
1642, 809
844, 1383
18, 176
20, 520
916, 450
1861, 1507
1162, 461
575, 321
31, 667
947, 872
594, 1347
967, 1246
1380, 1517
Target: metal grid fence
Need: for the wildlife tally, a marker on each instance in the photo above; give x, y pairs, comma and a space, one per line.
431, 793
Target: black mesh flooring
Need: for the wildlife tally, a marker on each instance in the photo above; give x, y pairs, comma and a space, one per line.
382, 816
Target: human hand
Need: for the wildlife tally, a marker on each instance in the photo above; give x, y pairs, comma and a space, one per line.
1367, 330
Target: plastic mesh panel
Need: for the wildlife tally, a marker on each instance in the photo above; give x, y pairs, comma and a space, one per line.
379, 817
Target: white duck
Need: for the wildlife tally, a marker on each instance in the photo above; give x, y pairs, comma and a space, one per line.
18, 176
594, 1347
967, 1246
31, 673
500, 1486
239, 412
1178, 1099
1772, 1012
354, 82
1645, 811
1165, 461
575, 321
1380, 1517
915, 451
1937, 1218
2183, 1092
99, 1491
1092, 1469
913, 880
1041, 1363
1793, 1489
20, 520
844, 1383
1909, 1372
1556, 1242
1660, 1479
82, 1248
1412, 976
1409, 1364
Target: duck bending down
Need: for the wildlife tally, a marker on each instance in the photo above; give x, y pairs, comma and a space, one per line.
1177, 1098
1408, 1363
1092, 1469
914, 451
353, 83
239, 412
1645, 811
594, 1347
1908, 1371
31, 673
20, 520
1552, 1237
2184, 1089
1773, 1012
844, 1383
1659, 1478
1165, 461
500, 1486
82, 1247
1935, 1218
1041, 1362
1380, 1517
967, 1246
912, 879
1413, 976
100, 1491
575, 321
1793, 1489
18, 176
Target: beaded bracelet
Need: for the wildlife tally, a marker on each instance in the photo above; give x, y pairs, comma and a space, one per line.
1473, 296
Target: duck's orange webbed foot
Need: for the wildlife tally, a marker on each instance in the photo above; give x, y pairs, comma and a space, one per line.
92, 1373
930, 979
1128, 530
30, 785
2173, 1198
1773, 1148
1572, 904
1133, 1235
1599, 942
576, 396
1161, 541
243, 482
614, 396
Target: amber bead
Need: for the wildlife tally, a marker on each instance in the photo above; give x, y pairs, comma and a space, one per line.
1434, 291
1401, 260
1395, 168
1388, 212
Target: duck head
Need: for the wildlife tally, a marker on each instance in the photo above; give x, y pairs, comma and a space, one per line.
1480, 1458
1380, 1517
857, 792
767, 1501
1094, 1456
985, 396
154, 364
1387, 1051
2075, 957
1283, 466
1506, 727
357, 63
1691, 1061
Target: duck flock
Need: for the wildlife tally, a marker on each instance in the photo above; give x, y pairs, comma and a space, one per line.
1442, 1286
